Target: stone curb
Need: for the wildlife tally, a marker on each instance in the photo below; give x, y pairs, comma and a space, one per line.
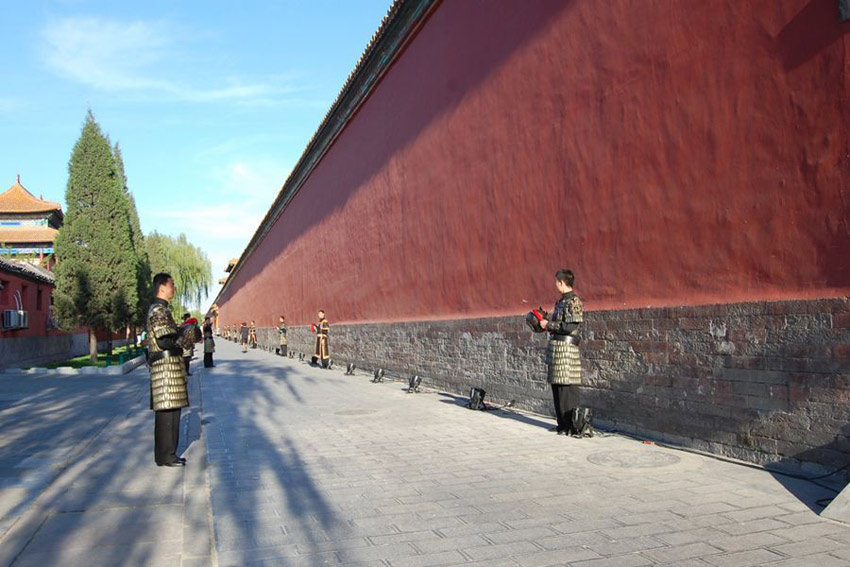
128, 366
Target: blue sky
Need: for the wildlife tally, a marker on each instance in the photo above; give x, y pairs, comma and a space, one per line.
211, 102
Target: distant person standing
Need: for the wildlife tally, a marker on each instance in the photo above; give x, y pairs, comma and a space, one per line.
321, 355
281, 332
252, 335
243, 336
562, 354
189, 321
209, 343
166, 343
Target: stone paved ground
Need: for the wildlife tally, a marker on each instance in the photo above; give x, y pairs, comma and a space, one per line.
78, 485
310, 467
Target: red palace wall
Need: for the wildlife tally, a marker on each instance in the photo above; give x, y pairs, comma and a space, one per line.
38, 344
37, 312
671, 153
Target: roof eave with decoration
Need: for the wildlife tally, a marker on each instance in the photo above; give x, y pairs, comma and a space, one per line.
17, 200
27, 234
26, 270
398, 27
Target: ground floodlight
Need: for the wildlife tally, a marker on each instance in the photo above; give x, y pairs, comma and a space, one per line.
476, 399
379, 375
413, 385
350, 369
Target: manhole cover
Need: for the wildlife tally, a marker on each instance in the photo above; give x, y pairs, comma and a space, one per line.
633, 459
355, 412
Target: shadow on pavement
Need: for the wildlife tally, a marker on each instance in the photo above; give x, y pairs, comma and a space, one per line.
497, 411
98, 510
256, 470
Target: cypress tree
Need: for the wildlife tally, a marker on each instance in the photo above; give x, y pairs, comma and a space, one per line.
96, 277
137, 237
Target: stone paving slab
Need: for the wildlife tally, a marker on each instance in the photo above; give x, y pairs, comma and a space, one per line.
105, 503
311, 467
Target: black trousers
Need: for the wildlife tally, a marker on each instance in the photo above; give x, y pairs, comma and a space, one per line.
166, 435
566, 399
208, 361
186, 361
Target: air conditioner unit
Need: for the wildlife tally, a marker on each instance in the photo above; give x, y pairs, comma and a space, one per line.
10, 319
14, 319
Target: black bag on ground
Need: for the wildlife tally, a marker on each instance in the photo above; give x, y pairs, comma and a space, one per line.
581, 419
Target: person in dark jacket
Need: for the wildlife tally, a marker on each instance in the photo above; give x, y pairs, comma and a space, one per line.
281, 331
209, 344
562, 354
243, 336
188, 354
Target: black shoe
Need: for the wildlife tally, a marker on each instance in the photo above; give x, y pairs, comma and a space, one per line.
563, 432
182, 460
173, 464
554, 429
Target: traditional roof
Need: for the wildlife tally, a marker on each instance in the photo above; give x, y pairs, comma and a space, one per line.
21, 234
26, 270
16, 199
231, 264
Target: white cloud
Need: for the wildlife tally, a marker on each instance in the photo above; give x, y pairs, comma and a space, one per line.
135, 56
104, 54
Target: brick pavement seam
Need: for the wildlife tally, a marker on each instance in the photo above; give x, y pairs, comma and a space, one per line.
207, 471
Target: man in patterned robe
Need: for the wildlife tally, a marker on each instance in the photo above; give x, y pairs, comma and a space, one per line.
562, 353
322, 353
281, 331
166, 344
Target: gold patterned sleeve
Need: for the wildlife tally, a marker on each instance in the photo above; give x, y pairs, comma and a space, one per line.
160, 323
187, 337
576, 310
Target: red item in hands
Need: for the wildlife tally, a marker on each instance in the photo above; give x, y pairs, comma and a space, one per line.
312, 328
538, 314
191, 321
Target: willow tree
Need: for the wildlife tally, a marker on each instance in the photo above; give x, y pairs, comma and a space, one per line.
96, 273
187, 264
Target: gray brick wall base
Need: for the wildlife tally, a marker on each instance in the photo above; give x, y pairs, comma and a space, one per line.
765, 382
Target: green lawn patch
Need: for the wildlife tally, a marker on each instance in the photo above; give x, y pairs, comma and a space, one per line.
85, 360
